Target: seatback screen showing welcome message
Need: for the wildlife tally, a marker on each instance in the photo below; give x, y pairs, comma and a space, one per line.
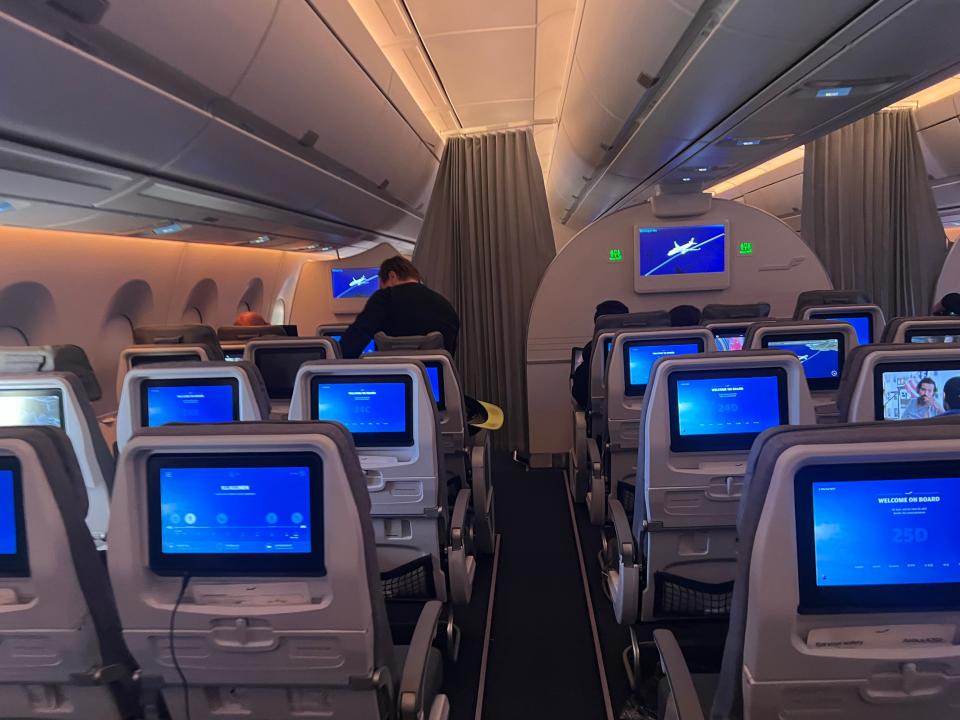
724, 410
641, 355
887, 532
216, 400
377, 410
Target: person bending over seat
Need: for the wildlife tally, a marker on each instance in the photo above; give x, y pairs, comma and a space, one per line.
249, 319
685, 316
581, 376
402, 306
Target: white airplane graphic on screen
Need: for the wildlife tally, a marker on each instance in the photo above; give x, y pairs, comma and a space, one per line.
683, 249
362, 280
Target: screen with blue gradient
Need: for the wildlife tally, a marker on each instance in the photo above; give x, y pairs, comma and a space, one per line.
887, 532
30, 407
365, 407
694, 249
642, 357
718, 406
189, 404
370, 347
820, 358
861, 324
354, 282
434, 374
8, 518
222, 510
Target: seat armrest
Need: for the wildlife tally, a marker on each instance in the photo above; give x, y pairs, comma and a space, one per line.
626, 548
682, 689
596, 486
413, 682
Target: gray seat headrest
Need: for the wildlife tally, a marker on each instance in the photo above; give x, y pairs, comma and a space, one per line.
179, 335
430, 341
749, 311
249, 332
813, 298
53, 358
652, 318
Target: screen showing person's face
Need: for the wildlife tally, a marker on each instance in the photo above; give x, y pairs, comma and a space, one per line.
926, 393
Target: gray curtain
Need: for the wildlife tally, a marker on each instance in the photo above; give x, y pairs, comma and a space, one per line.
869, 213
485, 243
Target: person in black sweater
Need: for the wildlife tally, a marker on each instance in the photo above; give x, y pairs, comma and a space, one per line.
402, 306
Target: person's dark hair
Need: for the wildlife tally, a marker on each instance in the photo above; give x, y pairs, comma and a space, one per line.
951, 303
404, 269
684, 316
951, 394
610, 307
928, 381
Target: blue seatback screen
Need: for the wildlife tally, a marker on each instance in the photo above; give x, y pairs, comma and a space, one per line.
370, 346
13, 542
377, 410
715, 411
31, 406
435, 375
862, 323
694, 249
354, 282
189, 401
878, 535
822, 356
256, 509
640, 356
913, 391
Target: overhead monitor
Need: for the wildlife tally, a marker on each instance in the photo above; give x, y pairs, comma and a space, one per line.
13, 533
729, 339
229, 514
279, 367
934, 335
878, 537
435, 375
821, 355
194, 400
912, 390
31, 406
862, 322
143, 359
376, 409
718, 410
640, 355
354, 282
678, 258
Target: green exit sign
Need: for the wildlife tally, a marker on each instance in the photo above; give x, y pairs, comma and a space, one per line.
746, 248
616, 256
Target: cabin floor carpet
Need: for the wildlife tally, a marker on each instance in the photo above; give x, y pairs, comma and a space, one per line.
542, 662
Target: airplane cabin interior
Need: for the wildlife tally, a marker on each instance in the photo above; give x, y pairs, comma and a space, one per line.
479, 359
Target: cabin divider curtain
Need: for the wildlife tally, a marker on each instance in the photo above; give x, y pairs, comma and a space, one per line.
485, 243
869, 213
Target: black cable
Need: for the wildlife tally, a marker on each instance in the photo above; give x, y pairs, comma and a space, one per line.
173, 649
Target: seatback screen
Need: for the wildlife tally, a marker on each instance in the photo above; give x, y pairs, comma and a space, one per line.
233, 355
724, 410
236, 514
376, 409
729, 342
31, 406
13, 543
370, 346
354, 282
929, 335
279, 367
862, 323
694, 249
916, 390
878, 536
640, 355
822, 356
198, 400
144, 359
435, 375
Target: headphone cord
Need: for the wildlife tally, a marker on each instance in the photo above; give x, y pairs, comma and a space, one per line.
173, 649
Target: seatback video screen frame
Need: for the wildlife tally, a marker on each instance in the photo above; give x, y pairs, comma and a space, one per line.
159, 398
912, 390
860, 320
14, 560
939, 335
393, 429
822, 356
639, 357
279, 366
682, 257
26, 406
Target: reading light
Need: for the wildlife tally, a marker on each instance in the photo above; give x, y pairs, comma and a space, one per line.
4, 206
260, 240
686, 179
702, 169
168, 229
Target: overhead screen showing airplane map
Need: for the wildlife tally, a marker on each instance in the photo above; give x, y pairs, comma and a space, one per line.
693, 249
354, 282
